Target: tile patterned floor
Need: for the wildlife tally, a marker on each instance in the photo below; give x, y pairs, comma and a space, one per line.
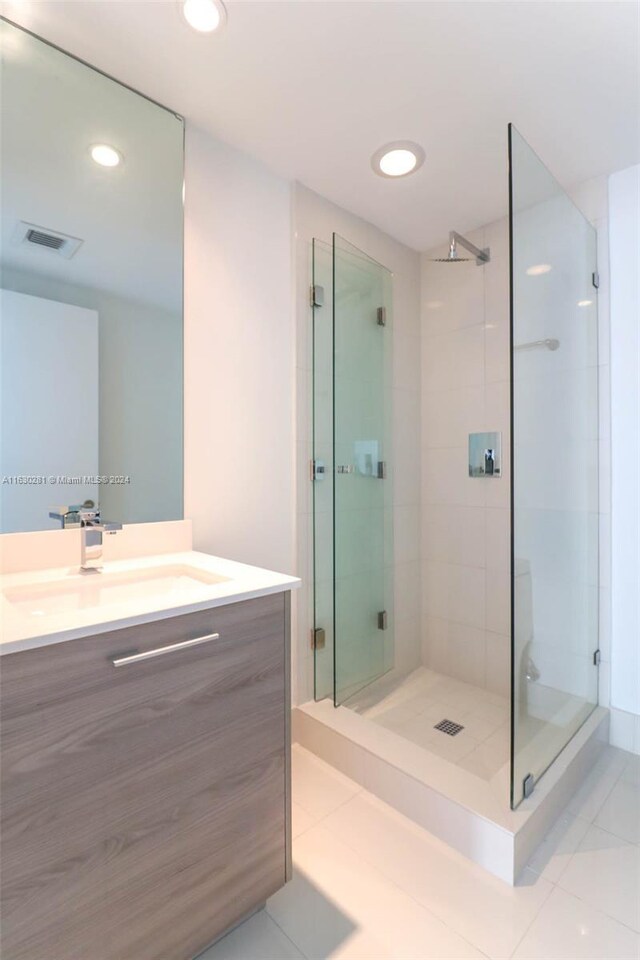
423, 698
370, 885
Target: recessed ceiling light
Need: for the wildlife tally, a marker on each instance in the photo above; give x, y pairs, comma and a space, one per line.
538, 269
397, 159
105, 155
585, 303
205, 16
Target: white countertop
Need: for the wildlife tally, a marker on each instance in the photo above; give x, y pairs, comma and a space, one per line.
23, 628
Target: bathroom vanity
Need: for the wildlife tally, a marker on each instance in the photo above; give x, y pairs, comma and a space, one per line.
145, 706
145, 757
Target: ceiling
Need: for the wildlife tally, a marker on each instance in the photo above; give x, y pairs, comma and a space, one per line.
314, 88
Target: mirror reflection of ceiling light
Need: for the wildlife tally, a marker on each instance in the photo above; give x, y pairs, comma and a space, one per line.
398, 159
105, 155
585, 303
205, 16
538, 269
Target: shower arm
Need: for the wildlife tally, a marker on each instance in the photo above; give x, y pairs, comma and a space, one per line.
482, 256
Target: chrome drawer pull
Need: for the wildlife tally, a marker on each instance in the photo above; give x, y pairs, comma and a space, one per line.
159, 651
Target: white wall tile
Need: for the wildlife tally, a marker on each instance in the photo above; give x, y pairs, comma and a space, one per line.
467, 653
453, 534
455, 593
498, 663
497, 540
449, 416
498, 600
496, 350
454, 359
407, 588
465, 521
446, 480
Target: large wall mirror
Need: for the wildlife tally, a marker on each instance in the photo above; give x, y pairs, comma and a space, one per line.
91, 256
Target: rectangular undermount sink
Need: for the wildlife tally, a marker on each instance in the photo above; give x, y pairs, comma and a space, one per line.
169, 583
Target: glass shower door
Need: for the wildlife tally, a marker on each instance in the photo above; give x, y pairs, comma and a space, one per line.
322, 467
353, 573
554, 327
352, 470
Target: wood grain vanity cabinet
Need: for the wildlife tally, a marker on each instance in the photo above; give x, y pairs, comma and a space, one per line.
145, 806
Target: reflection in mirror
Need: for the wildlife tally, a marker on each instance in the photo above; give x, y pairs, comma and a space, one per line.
90, 293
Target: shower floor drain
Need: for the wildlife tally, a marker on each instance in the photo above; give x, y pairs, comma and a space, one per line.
448, 726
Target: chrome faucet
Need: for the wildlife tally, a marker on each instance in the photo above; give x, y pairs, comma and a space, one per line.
92, 527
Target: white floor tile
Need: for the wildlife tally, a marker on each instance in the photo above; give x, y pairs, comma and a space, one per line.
484, 910
371, 885
597, 786
605, 872
417, 702
318, 787
401, 712
300, 820
481, 763
568, 929
631, 772
554, 853
258, 938
422, 732
337, 906
481, 728
620, 813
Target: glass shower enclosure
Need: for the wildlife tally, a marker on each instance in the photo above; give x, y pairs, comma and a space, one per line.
554, 449
554, 409
353, 529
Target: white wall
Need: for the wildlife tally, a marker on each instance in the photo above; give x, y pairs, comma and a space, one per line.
314, 216
465, 521
49, 406
239, 350
140, 404
624, 220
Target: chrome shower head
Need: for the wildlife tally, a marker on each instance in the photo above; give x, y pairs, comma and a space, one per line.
481, 256
452, 256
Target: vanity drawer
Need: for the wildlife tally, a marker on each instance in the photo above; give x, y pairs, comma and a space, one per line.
85, 663
144, 799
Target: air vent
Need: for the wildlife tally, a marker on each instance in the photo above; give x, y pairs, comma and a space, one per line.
43, 239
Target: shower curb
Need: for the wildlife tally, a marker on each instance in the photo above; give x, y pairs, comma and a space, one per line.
471, 817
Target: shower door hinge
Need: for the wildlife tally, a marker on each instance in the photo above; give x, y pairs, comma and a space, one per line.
381, 314
527, 785
317, 470
596, 658
383, 620
318, 638
382, 470
316, 295
595, 279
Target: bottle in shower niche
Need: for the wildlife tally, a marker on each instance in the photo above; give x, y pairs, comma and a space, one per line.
489, 463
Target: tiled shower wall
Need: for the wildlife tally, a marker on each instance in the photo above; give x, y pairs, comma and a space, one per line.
465, 521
